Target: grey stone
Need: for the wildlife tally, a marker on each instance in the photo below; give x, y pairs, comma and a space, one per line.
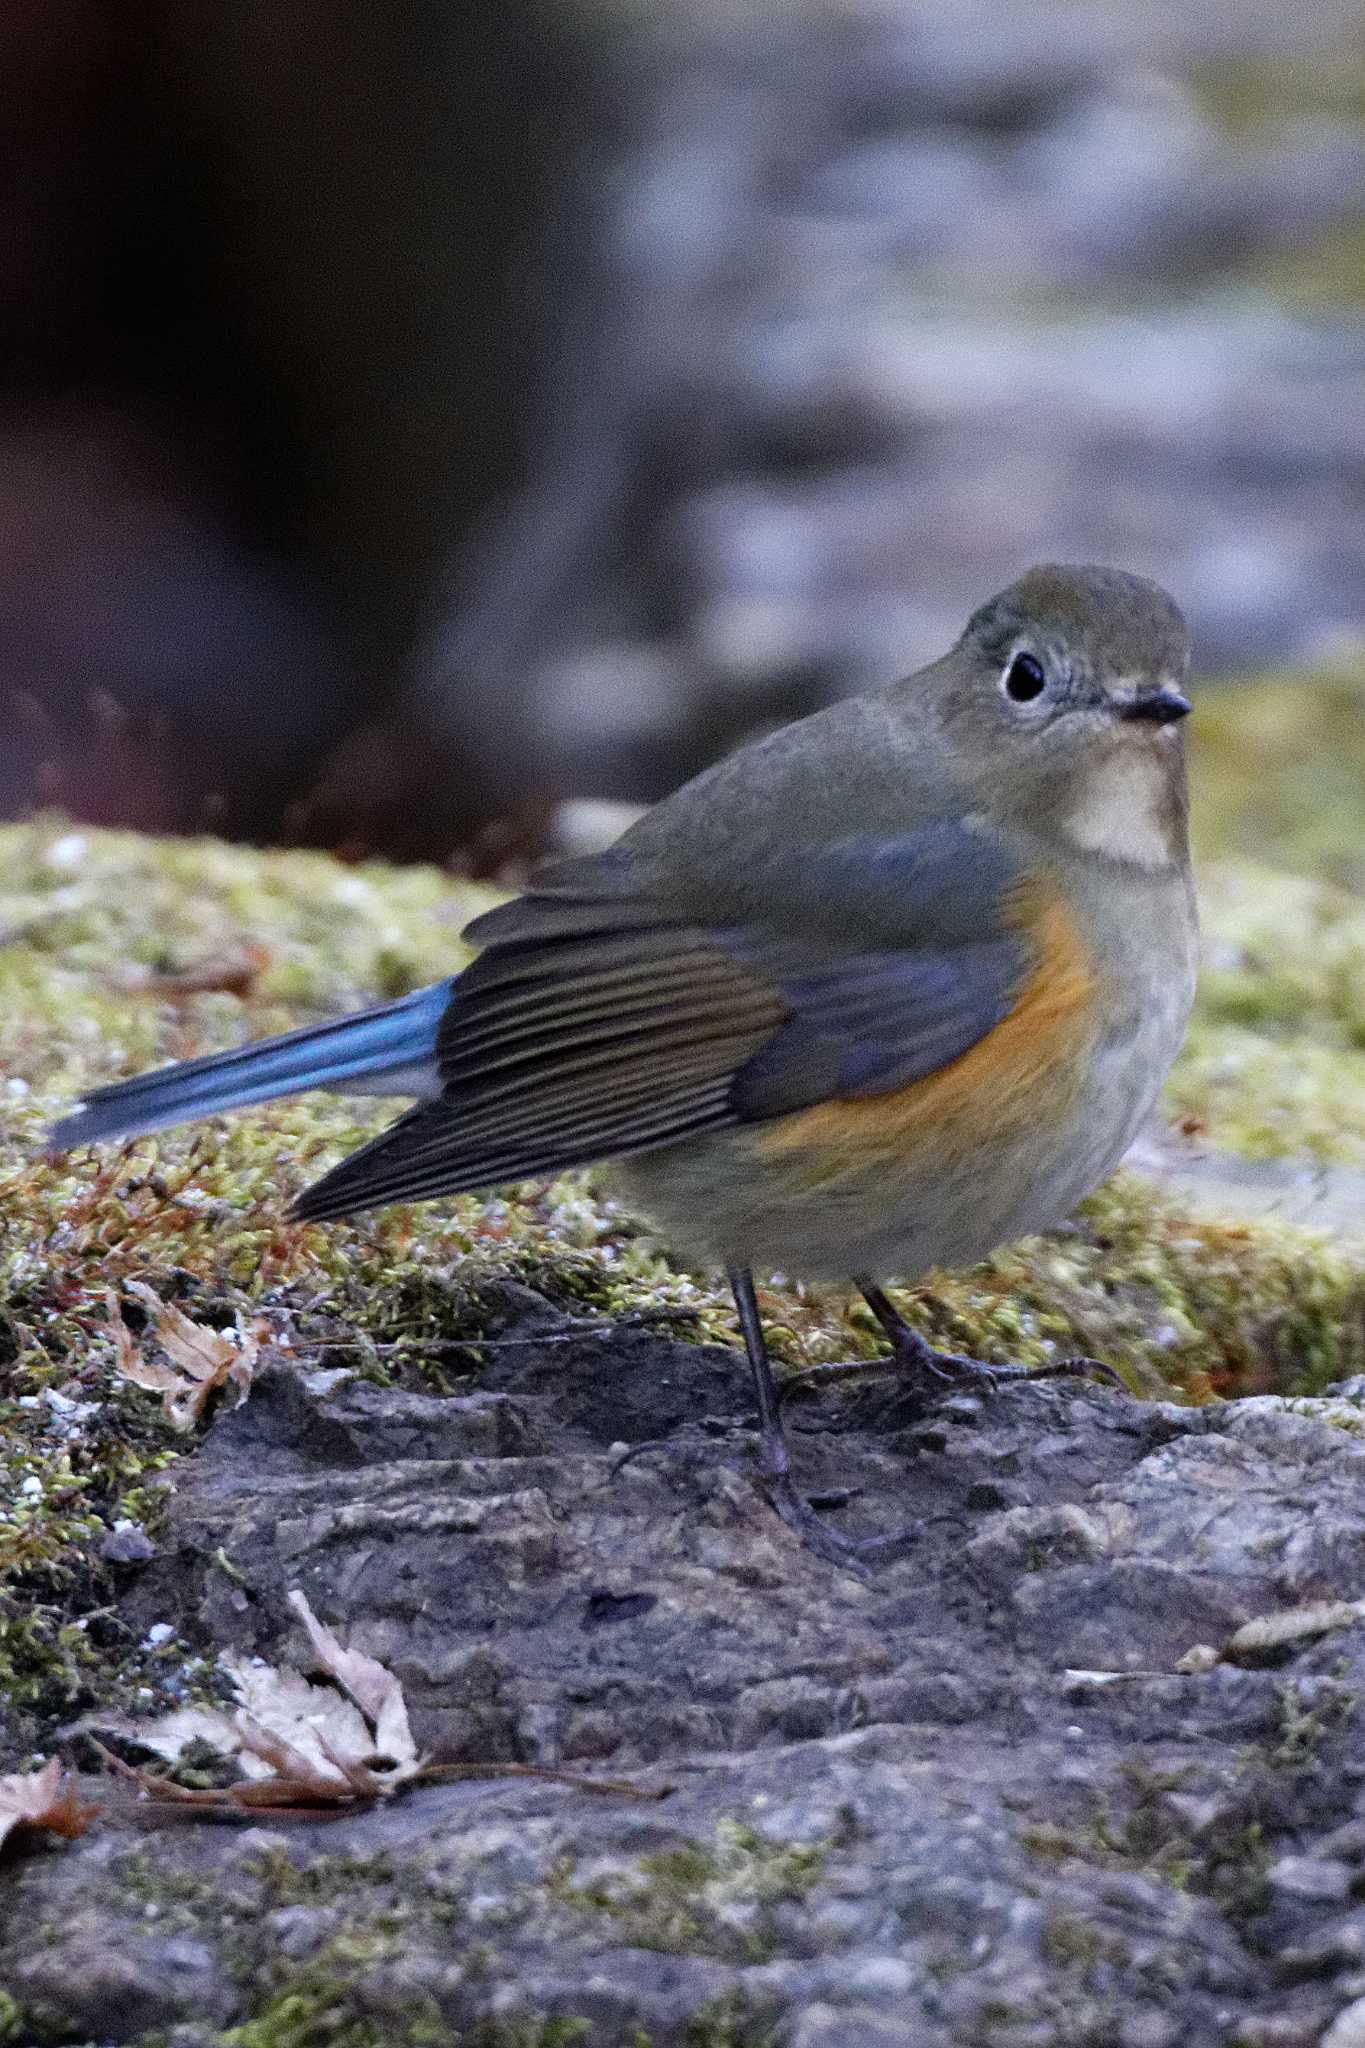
844, 2026
1309, 1877
127, 1543
85, 1980
967, 1796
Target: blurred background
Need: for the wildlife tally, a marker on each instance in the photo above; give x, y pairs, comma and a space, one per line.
414, 415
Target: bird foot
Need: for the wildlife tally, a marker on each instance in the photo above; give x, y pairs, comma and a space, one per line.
800, 1515
852, 1553
934, 1374
951, 1369
706, 1428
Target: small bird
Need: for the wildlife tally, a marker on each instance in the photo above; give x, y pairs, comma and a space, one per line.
878, 992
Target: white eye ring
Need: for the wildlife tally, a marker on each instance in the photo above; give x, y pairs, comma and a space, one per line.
1023, 677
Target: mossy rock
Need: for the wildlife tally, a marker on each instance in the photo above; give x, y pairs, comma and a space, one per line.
1274, 1065
123, 952
1277, 772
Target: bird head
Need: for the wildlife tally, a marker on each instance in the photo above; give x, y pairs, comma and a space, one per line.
1061, 708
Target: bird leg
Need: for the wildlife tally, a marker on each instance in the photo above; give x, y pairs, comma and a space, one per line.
774, 1460
939, 1372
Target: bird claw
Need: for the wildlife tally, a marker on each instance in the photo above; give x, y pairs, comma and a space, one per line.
708, 1427
973, 1372
851, 1553
1081, 1369
948, 1368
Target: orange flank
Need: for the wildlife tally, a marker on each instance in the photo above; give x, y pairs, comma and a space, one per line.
1035, 1055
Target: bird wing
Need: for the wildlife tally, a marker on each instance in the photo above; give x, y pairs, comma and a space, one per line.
602, 1018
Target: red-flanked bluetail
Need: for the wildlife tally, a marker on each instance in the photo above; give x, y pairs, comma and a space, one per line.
874, 994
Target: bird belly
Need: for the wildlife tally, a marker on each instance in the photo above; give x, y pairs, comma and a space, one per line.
1001, 1142
827, 1210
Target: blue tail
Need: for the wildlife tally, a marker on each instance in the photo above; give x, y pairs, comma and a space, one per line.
391, 1051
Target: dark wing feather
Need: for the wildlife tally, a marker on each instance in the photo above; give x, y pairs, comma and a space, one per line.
596, 1024
877, 1022
555, 1053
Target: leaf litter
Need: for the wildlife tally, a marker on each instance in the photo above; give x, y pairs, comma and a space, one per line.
305, 1748
201, 1359
42, 1802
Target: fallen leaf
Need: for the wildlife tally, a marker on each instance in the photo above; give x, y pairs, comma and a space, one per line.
305, 1748
283, 1728
1262, 1639
235, 974
300, 1798
287, 1708
374, 1689
202, 1359
288, 1797
168, 1737
297, 1744
43, 1801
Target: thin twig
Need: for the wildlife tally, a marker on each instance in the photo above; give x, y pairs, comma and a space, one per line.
641, 1319
608, 1788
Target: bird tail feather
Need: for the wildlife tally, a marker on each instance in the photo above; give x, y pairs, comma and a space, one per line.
388, 1051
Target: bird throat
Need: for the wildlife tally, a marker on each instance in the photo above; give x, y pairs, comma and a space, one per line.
1123, 808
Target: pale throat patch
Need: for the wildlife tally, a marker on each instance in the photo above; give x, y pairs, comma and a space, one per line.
1122, 810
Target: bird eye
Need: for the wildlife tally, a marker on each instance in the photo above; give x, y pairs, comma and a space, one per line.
1024, 679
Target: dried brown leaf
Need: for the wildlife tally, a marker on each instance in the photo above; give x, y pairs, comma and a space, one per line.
297, 1743
308, 1750
202, 1359
283, 1796
234, 974
374, 1689
43, 1801
285, 1761
129, 1361
1266, 1635
365, 1782
316, 1722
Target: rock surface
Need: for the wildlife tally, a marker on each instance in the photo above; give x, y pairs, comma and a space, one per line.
1001, 1792
988, 1792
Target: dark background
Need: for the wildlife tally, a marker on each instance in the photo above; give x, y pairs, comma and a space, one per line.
412, 415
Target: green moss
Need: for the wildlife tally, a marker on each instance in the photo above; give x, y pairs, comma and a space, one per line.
319, 2006
1167, 1299
1248, 94
1304, 1725
1271, 1098
1269, 100
1276, 1061
62, 1487
1072, 1943
1277, 773
1325, 274
525, 2033
724, 2023
283, 1880
1135, 1831
1284, 956
694, 1900
1048, 1843
1234, 1872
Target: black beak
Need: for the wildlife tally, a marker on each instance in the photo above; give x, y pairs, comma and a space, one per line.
1159, 707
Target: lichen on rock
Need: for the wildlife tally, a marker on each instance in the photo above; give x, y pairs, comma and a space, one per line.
442, 1394
115, 945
